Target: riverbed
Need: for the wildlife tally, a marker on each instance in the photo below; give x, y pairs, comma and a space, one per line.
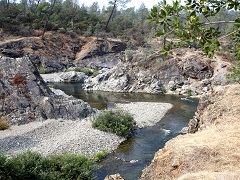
136, 153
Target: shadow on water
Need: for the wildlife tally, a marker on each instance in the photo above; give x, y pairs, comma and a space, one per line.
147, 141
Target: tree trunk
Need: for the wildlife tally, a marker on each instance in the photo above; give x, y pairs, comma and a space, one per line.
48, 17
114, 6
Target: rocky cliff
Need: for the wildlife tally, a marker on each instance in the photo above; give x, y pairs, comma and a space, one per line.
187, 72
25, 97
57, 51
213, 151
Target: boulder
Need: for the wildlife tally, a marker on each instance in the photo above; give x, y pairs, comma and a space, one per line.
11, 53
195, 67
25, 96
114, 177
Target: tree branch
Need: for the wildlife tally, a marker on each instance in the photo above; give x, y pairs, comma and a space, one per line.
228, 34
218, 22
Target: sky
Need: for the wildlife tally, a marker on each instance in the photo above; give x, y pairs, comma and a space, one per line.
148, 3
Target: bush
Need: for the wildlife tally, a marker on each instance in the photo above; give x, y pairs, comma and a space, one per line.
3, 123
115, 121
87, 71
31, 165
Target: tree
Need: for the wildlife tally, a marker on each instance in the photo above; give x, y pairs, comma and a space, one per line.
115, 3
191, 25
48, 17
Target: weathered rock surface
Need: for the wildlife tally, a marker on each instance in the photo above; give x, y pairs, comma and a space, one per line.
189, 73
212, 152
58, 52
70, 76
25, 96
114, 177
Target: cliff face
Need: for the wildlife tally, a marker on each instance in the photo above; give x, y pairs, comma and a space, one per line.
213, 151
24, 96
60, 51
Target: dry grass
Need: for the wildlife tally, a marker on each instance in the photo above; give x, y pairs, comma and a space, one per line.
3, 124
214, 149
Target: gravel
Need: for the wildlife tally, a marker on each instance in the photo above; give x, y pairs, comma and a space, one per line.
146, 113
58, 136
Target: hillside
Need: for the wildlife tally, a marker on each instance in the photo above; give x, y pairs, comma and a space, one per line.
212, 152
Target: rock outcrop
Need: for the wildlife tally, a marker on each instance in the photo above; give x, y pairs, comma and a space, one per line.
213, 151
70, 76
25, 96
187, 73
60, 51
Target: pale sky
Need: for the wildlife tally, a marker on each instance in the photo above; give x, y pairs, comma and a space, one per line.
148, 3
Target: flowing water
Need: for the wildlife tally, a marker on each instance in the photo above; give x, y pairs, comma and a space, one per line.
141, 148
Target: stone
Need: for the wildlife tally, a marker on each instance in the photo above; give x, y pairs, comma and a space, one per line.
195, 67
11, 53
73, 76
26, 97
114, 177
184, 130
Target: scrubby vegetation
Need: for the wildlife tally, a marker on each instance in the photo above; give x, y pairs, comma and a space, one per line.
119, 122
99, 156
31, 165
43, 71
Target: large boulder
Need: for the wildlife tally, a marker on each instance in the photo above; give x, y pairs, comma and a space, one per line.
25, 96
196, 67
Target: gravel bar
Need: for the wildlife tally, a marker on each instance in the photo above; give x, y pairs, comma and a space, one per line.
58, 136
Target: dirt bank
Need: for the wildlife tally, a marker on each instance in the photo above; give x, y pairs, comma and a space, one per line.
211, 153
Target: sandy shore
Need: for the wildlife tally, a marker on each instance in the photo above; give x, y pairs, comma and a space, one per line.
58, 136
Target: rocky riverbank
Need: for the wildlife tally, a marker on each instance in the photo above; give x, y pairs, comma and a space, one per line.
59, 136
213, 151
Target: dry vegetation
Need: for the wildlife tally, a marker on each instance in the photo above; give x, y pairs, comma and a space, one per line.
213, 152
3, 123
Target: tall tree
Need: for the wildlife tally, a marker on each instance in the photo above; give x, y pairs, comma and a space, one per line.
48, 17
114, 4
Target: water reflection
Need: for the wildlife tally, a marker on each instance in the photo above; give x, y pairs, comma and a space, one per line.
146, 141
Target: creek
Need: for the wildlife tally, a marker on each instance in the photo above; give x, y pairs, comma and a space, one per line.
139, 149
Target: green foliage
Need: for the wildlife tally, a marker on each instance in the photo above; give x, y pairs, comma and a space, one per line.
31, 165
87, 71
43, 71
190, 23
189, 92
197, 24
119, 122
3, 123
99, 156
234, 75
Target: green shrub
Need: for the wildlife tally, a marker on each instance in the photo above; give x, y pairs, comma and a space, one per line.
100, 155
119, 122
87, 71
43, 71
31, 165
189, 92
3, 123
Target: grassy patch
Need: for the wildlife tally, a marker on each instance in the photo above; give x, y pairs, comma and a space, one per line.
99, 156
119, 122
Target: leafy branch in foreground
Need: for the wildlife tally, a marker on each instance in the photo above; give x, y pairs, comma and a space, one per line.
190, 25
195, 25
